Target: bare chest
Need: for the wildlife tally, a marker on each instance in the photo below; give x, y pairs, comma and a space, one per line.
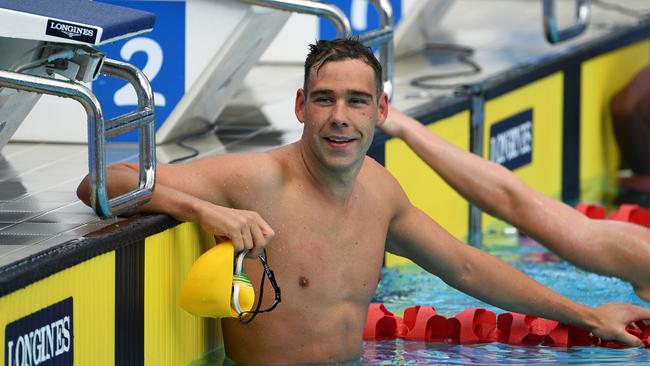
322, 251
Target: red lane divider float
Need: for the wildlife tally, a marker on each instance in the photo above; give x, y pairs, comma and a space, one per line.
526, 330
591, 210
628, 212
380, 324
632, 213
422, 323
476, 325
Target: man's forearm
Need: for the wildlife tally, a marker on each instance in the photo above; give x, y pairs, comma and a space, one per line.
123, 178
490, 186
588, 244
496, 282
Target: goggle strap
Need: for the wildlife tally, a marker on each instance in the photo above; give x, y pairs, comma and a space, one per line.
259, 303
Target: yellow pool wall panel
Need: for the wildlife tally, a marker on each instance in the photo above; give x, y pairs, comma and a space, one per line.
91, 286
601, 78
424, 187
545, 98
173, 336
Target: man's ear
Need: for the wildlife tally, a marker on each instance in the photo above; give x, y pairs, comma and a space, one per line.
383, 109
300, 105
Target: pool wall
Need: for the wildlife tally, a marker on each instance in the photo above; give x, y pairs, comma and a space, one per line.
573, 156
119, 307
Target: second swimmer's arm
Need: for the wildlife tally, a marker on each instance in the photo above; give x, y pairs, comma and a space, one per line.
606, 247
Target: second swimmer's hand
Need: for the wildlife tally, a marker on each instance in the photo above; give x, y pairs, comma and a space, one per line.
395, 122
246, 229
614, 317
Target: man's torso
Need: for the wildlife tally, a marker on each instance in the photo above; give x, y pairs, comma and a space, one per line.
327, 259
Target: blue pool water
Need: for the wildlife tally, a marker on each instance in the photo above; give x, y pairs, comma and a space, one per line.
408, 285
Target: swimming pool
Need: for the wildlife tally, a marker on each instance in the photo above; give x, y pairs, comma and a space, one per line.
409, 285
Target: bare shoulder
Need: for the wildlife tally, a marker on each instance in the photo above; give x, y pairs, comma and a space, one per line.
221, 178
239, 169
382, 183
245, 164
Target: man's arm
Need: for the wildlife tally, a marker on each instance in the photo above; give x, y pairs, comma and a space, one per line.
414, 235
606, 247
199, 192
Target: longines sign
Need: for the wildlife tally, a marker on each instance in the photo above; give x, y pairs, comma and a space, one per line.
511, 140
41, 338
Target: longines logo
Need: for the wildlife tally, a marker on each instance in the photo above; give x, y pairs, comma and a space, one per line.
71, 31
41, 338
511, 140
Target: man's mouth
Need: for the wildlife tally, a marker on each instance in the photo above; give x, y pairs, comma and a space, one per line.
339, 140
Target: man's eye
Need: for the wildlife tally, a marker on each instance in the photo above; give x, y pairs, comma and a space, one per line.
323, 100
358, 101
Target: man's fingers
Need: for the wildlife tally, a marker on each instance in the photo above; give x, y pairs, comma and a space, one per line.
266, 229
246, 229
237, 242
630, 340
247, 238
641, 313
259, 241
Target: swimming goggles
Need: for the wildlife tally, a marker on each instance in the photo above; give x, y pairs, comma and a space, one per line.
240, 278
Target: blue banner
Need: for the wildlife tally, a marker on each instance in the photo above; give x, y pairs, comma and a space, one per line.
362, 15
160, 54
511, 140
45, 337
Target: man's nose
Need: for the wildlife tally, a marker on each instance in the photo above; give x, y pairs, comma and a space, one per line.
339, 115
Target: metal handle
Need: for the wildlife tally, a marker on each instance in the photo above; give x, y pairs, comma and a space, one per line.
97, 132
143, 119
555, 35
383, 38
331, 12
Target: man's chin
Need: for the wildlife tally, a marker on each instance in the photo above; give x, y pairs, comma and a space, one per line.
342, 165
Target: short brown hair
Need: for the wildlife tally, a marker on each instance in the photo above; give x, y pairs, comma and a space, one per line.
325, 51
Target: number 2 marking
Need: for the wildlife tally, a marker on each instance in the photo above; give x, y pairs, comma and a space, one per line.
126, 96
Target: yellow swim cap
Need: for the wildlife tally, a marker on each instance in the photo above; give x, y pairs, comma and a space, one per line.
208, 287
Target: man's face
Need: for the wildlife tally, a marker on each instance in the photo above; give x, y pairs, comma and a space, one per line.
340, 111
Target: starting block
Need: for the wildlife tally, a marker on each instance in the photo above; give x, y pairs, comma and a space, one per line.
49, 47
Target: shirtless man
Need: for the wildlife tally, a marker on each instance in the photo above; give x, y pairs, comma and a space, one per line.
631, 117
612, 248
332, 212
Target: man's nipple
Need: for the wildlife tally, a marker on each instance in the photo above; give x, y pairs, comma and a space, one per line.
303, 282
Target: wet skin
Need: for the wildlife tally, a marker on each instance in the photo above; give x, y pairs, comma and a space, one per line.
330, 213
330, 222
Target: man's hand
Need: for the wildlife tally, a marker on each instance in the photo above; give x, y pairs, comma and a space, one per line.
396, 122
614, 317
246, 229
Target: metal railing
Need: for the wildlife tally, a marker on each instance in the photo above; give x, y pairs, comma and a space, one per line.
331, 12
556, 35
382, 37
99, 130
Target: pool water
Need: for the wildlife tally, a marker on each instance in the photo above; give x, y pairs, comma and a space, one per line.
405, 286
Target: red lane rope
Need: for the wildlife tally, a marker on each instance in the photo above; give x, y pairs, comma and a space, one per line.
477, 325
628, 212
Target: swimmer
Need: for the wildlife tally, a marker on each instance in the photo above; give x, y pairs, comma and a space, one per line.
611, 248
630, 109
331, 212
